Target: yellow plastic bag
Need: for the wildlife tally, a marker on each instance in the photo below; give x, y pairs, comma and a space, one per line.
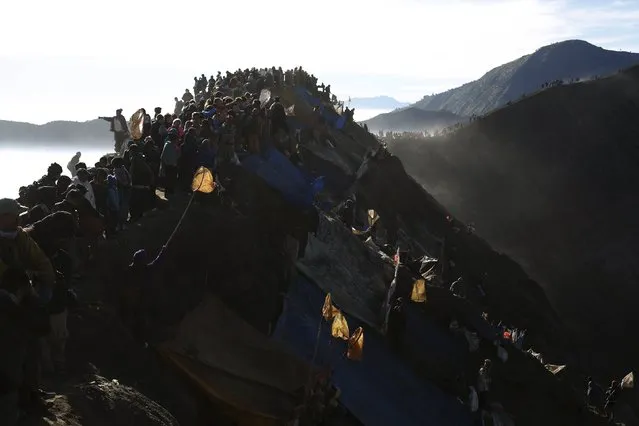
203, 181
356, 345
328, 310
339, 328
419, 291
137, 125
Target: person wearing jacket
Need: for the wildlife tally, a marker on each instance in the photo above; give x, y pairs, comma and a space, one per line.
142, 184
124, 190
158, 131
18, 249
15, 334
119, 128
84, 178
74, 162
53, 234
169, 162
112, 213
206, 154
146, 124
19, 252
187, 164
91, 223
484, 380
133, 294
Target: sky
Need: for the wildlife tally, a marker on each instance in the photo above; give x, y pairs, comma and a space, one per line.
78, 59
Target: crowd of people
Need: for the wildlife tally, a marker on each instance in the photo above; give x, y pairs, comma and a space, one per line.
51, 231
476, 392
388, 136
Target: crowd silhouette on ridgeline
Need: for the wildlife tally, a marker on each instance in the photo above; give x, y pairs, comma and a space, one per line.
49, 235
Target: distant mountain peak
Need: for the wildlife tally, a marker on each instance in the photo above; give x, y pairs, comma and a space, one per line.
412, 119
377, 102
55, 131
570, 43
562, 61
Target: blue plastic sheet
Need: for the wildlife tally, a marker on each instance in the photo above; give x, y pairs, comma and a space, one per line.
279, 173
332, 118
379, 389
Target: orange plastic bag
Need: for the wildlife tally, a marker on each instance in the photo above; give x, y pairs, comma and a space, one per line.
356, 345
328, 310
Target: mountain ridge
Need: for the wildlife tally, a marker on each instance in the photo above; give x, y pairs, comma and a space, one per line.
412, 119
567, 60
558, 198
377, 102
57, 131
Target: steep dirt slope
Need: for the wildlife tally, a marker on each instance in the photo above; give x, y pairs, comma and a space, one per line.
552, 182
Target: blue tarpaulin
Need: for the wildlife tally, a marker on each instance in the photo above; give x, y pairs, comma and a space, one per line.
279, 173
379, 389
332, 118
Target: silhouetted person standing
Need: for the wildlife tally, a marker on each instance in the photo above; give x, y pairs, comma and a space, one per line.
119, 128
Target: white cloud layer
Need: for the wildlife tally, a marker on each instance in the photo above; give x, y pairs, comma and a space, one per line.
131, 52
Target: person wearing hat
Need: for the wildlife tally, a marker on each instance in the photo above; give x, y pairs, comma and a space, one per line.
119, 128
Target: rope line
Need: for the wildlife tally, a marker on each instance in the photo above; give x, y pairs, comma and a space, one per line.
186, 209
